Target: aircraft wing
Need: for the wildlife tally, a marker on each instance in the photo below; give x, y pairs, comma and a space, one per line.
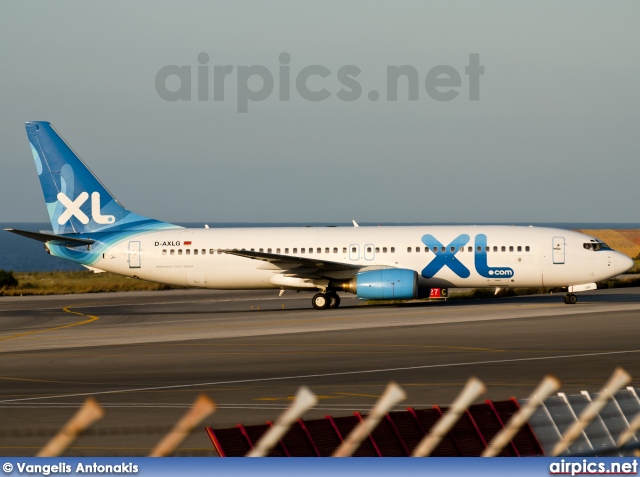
52, 238
298, 266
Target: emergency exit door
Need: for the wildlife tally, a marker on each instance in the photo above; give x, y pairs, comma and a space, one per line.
558, 250
134, 254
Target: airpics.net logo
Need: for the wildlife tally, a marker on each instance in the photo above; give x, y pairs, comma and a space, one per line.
255, 83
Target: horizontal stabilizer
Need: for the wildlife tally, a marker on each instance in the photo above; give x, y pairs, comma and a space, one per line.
52, 238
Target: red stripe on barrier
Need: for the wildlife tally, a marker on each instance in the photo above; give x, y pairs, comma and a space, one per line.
495, 413
244, 434
515, 401
215, 441
397, 434
306, 433
373, 442
335, 428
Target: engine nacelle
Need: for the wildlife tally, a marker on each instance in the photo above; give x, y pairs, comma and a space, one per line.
384, 284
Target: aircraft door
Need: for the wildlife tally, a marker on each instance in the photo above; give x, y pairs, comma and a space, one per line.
558, 250
354, 252
369, 251
134, 254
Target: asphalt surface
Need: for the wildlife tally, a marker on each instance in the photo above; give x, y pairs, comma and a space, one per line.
146, 356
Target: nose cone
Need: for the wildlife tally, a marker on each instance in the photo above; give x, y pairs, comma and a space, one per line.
622, 263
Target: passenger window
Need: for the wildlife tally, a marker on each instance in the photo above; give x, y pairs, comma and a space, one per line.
261, 250
409, 249
344, 249
369, 249
527, 248
511, 248
377, 249
195, 251
486, 249
353, 249
219, 252
469, 249
393, 250
503, 248
417, 249
335, 249
426, 249
164, 252
453, 249
444, 249
384, 249
277, 250
295, 250
204, 251
326, 250
268, 250
462, 248
179, 251
188, 251
301, 250
172, 252
495, 249
519, 248
479, 249
253, 249
211, 251
319, 250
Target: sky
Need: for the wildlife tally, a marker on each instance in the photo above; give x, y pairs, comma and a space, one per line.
549, 134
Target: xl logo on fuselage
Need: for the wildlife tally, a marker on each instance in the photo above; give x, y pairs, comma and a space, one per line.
73, 209
445, 256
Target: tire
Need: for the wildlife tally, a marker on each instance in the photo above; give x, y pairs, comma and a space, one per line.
334, 300
320, 301
566, 299
572, 299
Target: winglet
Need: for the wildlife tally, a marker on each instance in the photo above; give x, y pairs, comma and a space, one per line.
355, 224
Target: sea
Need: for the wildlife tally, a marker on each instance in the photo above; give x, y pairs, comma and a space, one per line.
21, 254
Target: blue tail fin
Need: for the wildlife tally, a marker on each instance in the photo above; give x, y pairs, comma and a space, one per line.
77, 201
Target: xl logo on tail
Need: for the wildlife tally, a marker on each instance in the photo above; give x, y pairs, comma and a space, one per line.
73, 209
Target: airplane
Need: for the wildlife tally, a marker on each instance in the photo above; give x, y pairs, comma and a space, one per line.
91, 228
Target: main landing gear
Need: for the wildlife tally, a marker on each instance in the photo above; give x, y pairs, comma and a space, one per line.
322, 301
570, 299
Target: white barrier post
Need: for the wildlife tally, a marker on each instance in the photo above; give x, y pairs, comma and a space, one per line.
303, 401
472, 390
546, 388
88, 414
201, 409
618, 380
392, 395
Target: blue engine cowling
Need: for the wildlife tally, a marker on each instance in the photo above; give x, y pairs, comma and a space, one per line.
387, 284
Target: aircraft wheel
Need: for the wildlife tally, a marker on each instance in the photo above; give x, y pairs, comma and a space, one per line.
334, 300
572, 299
320, 301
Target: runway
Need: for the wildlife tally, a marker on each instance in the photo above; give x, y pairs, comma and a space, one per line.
146, 356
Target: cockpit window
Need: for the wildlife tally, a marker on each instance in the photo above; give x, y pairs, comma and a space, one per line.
596, 246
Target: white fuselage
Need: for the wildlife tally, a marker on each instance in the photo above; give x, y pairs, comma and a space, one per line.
494, 256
